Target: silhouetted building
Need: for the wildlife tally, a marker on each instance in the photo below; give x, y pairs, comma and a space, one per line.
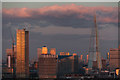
104, 64
114, 59
67, 64
22, 55
53, 51
47, 66
95, 66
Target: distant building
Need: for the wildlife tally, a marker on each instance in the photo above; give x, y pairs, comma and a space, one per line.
81, 56
10, 57
53, 51
95, 66
104, 64
39, 52
47, 66
44, 50
64, 53
22, 55
67, 64
114, 59
87, 59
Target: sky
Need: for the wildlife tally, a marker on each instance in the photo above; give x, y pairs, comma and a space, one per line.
65, 26
60, 0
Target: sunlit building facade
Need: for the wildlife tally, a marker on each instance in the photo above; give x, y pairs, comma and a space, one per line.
47, 66
114, 59
44, 50
22, 55
53, 51
64, 53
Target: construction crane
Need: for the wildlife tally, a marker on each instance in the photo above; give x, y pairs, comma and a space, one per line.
13, 54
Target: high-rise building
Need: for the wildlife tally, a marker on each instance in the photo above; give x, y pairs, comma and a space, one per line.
114, 59
81, 56
53, 51
44, 50
94, 52
87, 59
22, 55
47, 66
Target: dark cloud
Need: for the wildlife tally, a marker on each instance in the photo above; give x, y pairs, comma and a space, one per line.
58, 16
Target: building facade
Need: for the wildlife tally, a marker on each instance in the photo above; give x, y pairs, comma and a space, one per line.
67, 64
53, 51
47, 66
114, 59
22, 55
44, 50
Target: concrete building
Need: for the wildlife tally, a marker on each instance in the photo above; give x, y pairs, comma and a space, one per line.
47, 66
22, 55
114, 59
67, 64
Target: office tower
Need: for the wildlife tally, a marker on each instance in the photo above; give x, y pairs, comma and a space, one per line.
87, 59
39, 52
44, 50
67, 64
22, 55
47, 66
114, 59
81, 57
53, 51
94, 53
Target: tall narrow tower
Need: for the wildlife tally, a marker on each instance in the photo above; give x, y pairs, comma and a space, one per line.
94, 54
22, 55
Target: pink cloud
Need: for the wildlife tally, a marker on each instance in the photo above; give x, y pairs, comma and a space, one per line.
64, 10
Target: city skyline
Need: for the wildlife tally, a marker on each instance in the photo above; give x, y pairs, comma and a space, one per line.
56, 40
55, 28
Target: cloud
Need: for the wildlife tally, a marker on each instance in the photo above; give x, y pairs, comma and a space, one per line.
56, 11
